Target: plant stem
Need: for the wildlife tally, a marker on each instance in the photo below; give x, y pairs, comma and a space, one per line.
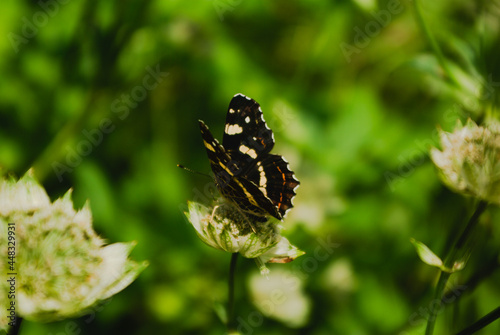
431, 321
15, 330
471, 224
481, 323
230, 302
449, 263
434, 45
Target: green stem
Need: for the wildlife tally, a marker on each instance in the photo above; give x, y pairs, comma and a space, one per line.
481, 323
433, 43
15, 330
449, 263
230, 302
481, 207
431, 321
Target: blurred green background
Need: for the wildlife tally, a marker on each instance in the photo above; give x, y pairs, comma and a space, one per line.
104, 97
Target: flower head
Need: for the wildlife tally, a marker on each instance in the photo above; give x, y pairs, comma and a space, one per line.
62, 266
226, 228
469, 162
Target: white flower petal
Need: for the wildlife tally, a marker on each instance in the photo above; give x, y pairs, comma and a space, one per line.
61, 265
116, 270
24, 196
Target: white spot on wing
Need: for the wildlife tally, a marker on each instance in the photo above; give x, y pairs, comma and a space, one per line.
247, 119
231, 111
265, 124
263, 190
242, 95
232, 129
246, 150
262, 179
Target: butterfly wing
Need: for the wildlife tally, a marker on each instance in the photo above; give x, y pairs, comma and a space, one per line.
220, 161
226, 169
245, 173
276, 181
246, 134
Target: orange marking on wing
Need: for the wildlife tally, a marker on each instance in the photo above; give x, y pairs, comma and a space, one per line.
281, 194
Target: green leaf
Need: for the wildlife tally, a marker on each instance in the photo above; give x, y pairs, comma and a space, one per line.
429, 257
221, 312
426, 254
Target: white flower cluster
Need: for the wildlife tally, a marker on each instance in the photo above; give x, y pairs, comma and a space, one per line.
62, 267
226, 228
469, 162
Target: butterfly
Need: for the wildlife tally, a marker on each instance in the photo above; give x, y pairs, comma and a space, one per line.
246, 173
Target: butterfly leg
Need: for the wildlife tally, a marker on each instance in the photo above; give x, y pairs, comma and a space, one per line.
245, 218
213, 213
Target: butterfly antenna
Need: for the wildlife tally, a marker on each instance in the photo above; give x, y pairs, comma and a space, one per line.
193, 171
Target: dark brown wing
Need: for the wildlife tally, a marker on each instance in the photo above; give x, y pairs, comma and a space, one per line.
274, 178
245, 172
246, 134
229, 181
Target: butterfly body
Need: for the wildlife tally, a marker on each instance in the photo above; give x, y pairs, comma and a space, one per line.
245, 173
